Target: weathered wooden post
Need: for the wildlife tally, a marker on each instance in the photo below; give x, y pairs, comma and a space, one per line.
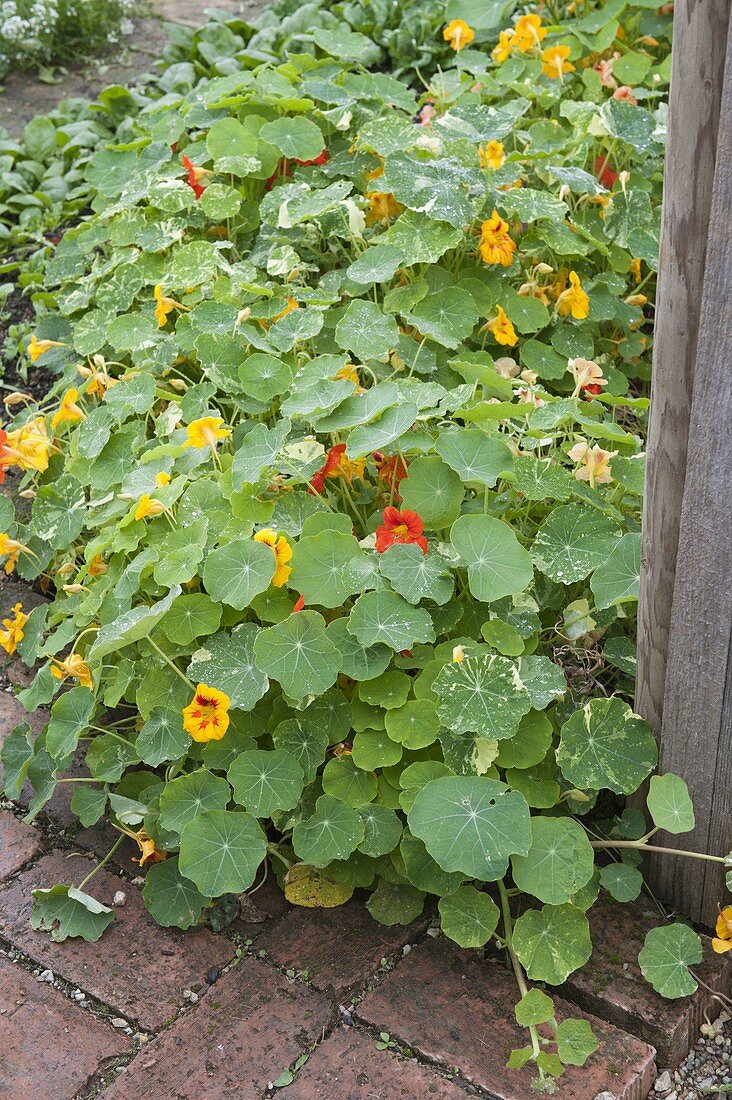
685, 614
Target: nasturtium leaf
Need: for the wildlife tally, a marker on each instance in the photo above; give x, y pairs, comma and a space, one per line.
191, 616
502, 636
162, 737
382, 830
414, 725
366, 331
265, 780
535, 1007
294, 137
171, 899
188, 796
233, 148
377, 435
559, 862
666, 956
531, 205
313, 887
669, 804
471, 824
348, 783
66, 912
468, 916
422, 870
468, 753
474, 456
606, 745
15, 757
226, 661
237, 572
258, 452
390, 690
305, 740
447, 318
572, 541
385, 617
376, 265
539, 784
374, 749
321, 568
70, 717
420, 239
395, 903
131, 626
220, 851
498, 565
239, 737
483, 694
333, 831
622, 882
298, 654
576, 1041
415, 575
551, 942
617, 580
359, 662
88, 803
529, 745
543, 679
434, 491
58, 511
264, 376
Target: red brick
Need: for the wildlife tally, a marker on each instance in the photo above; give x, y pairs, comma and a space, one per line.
55, 1045
18, 843
611, 984
349, 1066
457, 1009
138, 968
339, 947
251, 1026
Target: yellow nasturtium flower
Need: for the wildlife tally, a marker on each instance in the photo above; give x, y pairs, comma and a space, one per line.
527, 33
506, 43
164, 306
13, 633
496, 246
574, 300
595, 463
12, 549
206, 718
36, 348
282, 552
554, 63
382, 207
206, 432
492, 155
74, 666
148, 506
723, 940
68, 410
148, 852
162, 479
459, 34
502, 329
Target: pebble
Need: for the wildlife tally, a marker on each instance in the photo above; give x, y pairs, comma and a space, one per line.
705, 1069
118, 1022
119, 899
45, 976
78, 995
189, 995
606, 1096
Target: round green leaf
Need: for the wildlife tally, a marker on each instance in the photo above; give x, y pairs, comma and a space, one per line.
373, 749
237, 572
534, 1008
415, 575
320, 568
434, 491
333, 832
422, 870
395, 903
666, 956
358, 662
670, 805
468, 916
221, 850
305, 740
226, 661
390, 690
188, 796
576, 1041
471, 824
551, 942
232, 147
299, 654
415, 725
66, 911
572, 541
382, 830
529, 745
294, 137
172, 900
482, 694
376, 265
190, 617
474, 456
343, 779
606, 745
559, 862
544, 681
266, 780
162, 738
622, 882
366, 331
617, 580
497, 563
388, 618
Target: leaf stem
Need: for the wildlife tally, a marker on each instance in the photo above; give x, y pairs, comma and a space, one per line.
518, 972
102, 862
174, 667
641, 847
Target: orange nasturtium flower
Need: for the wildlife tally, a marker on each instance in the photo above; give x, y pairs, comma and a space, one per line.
97, 566
459, 34
13, 633
291, 305
574, 300
595, 463
329, 467
148, 506
99, 380
12, 549
164, 306
206, 717
502, 330
206, 432
282, 552
391, 470
28, 447
382, 207
36, 348
506, 43
588, 376
68, 410
148, 852
528, 32
74, 666
194, 176
492, 155
554, 63
496, 246
400, 527
723, 940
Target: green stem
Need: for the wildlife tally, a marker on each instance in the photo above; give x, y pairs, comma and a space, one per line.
102, 862
518, 972
174, 667
641, 847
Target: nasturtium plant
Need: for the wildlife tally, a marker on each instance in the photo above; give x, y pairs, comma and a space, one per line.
336, 492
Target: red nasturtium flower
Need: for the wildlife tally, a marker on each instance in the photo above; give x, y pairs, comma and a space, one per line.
322, 158
391, 469
605, 174
332, 461
194, 176
400, 527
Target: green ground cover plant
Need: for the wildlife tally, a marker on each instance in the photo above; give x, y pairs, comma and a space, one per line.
47, 33
336, 497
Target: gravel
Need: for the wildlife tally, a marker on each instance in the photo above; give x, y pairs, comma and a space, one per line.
706, 1072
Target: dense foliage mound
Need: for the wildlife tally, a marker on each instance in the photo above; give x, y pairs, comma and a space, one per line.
337, 495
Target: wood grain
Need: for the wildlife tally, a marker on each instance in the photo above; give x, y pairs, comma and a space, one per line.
700, 36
